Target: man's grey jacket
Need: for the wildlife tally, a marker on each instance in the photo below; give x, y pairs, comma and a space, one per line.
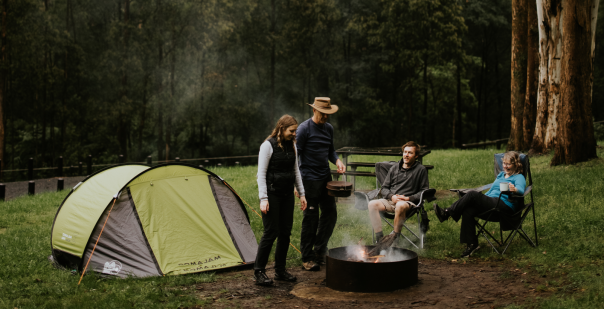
405, 181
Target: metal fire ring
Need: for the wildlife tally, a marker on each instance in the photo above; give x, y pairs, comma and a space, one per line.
354, 276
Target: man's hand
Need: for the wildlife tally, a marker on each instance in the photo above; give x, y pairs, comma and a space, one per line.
341, 167
396, 198
264, 206
303, 203
296, 193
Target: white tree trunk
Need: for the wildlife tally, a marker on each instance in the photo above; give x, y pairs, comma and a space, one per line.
550, 53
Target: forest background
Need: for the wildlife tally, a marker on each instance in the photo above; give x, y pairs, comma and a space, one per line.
189, 79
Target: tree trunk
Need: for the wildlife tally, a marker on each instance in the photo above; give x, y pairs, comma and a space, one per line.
425, 107
141, 128
172, 102
273, 21
575, 141
3, 78
458, 127
123, 117
480, 83
519, 63
549, 15
499, 101
532, 82
159, 88
202, 135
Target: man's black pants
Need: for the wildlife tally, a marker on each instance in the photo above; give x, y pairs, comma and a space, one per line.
471, 205
316, 230
278, 223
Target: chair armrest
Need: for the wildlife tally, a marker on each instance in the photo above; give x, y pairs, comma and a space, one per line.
479, 189
527, 190
426, 195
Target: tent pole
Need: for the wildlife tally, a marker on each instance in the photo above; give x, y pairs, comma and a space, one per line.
97, 241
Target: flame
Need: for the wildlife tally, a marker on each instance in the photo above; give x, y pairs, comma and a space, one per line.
377, 260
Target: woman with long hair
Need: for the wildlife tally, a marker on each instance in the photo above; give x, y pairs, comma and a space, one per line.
475, 203
277, 174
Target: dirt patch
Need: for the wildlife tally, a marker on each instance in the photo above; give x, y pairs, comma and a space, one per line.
19, 188
444, 194
442, 284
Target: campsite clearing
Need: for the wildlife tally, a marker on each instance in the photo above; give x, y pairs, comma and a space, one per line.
564, 272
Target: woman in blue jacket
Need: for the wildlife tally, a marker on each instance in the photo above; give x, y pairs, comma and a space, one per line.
474, 203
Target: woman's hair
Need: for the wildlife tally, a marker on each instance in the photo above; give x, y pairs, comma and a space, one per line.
283, 123
514, 159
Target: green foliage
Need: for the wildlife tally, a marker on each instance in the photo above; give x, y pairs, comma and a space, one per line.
195, 78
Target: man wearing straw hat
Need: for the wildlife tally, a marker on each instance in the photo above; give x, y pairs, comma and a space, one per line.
316, 149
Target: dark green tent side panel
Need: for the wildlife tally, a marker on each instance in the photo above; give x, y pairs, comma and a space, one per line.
122, 249
236, 220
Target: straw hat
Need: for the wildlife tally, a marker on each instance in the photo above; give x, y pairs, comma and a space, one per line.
323, 104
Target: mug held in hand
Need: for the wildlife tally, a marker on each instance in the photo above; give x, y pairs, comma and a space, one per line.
504, 186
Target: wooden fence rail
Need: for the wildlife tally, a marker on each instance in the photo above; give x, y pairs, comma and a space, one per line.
497, 142
89, 166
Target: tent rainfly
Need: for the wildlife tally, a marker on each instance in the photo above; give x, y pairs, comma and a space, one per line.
169, 219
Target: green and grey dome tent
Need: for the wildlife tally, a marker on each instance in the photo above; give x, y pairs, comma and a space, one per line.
165, 220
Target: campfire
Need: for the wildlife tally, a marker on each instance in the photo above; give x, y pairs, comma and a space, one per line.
362, 254
352, 269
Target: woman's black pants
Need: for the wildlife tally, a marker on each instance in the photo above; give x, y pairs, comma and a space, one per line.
278, 223
468, 207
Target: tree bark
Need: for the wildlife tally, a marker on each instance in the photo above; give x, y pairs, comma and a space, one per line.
458, 127
575, 141
273, 21
532, 82
123, 117
549, 15
160, 112
172, 100
3, 78
425, 107
519, 66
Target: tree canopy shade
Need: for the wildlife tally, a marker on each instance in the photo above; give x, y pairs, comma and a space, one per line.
207, 78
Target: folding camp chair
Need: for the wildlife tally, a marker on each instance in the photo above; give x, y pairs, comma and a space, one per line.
508, 223
362, 200
422, 219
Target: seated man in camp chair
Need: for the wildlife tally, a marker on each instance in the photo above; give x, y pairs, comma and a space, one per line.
401, 191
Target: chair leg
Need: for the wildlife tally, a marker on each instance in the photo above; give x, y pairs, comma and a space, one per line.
490, 243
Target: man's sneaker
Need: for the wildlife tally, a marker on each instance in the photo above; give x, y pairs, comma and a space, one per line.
469, 250
441, 214
262, 279
285, 276
311, 266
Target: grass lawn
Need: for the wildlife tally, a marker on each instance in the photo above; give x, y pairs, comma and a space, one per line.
569, 216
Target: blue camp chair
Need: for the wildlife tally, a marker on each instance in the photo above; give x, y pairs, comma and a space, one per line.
513, 224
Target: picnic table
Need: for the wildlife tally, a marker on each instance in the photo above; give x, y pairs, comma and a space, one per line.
346, 152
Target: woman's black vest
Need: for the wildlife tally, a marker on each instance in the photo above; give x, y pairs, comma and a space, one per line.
281, 176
